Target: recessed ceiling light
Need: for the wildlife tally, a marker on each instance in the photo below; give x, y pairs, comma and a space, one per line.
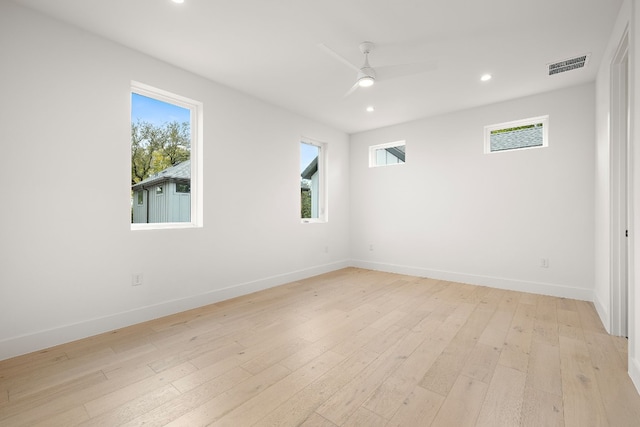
370, 109
485, 77
178, 1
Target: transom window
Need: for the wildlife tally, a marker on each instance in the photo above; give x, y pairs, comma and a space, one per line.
391, 153
517, 135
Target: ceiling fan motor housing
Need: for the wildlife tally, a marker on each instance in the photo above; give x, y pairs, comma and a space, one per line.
366, 47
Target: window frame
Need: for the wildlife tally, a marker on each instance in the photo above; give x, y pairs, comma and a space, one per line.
374, 148
513, 124
323, 216
196, 126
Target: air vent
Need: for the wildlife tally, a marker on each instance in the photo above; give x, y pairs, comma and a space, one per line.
569, 64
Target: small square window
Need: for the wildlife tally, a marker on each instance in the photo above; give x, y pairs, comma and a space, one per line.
392, 153
517, 135
159, 189
183, 187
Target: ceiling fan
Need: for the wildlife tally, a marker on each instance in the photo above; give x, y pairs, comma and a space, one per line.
367, 75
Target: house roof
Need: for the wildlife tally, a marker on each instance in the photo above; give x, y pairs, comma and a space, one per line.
311, 169
181, 171
397, 151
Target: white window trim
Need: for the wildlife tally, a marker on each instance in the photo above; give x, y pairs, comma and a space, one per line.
196, 119
524, 122
323, 215
374, 148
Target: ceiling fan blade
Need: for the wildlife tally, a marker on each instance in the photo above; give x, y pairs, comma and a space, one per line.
338, 56
389, 72
350, 91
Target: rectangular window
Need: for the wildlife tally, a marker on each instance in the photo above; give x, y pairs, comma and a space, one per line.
517, 135
166, 146
183, 187
312, 181
392, 153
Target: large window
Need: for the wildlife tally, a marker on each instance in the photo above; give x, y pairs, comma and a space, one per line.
517, 135
166, 159
312, 181
391, 153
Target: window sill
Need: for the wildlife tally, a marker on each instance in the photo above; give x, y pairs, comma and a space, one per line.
164, 226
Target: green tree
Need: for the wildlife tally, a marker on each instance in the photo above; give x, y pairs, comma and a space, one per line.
305, 199
157, 147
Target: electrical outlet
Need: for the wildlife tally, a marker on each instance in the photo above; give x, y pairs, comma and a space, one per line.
544, 262
370, 247
136, 279
326, 249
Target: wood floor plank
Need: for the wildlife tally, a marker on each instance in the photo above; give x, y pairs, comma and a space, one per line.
388, 320
252, 410
418, 408
50, 402
274, 355
569, 323
544, 368
614, 384
350, 347
364, 417
444, 372
540, 408
497, 329
72, 417
589, 319
393, 392
583, 405
316, 420
148, 385
130, 408
503, 404
462, 405
194, 398
303, 404
215, 408
515, 353
339, 407
482, 362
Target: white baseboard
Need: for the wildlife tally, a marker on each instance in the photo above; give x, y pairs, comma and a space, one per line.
603, 313
493, 282
44, 339
634, 372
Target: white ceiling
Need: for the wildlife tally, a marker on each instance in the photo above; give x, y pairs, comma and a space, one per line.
269, 48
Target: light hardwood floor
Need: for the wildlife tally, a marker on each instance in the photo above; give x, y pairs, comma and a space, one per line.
348, 348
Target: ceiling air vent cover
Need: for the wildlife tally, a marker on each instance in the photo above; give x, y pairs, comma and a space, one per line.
569, 64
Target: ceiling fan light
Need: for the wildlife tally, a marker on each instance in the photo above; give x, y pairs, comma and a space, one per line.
366, 81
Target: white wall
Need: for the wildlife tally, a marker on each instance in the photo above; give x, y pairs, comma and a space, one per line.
453, 212
66, 248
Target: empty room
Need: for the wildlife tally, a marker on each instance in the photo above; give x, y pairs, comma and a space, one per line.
337, 213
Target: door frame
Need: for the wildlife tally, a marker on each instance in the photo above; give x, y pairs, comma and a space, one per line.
621, 195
